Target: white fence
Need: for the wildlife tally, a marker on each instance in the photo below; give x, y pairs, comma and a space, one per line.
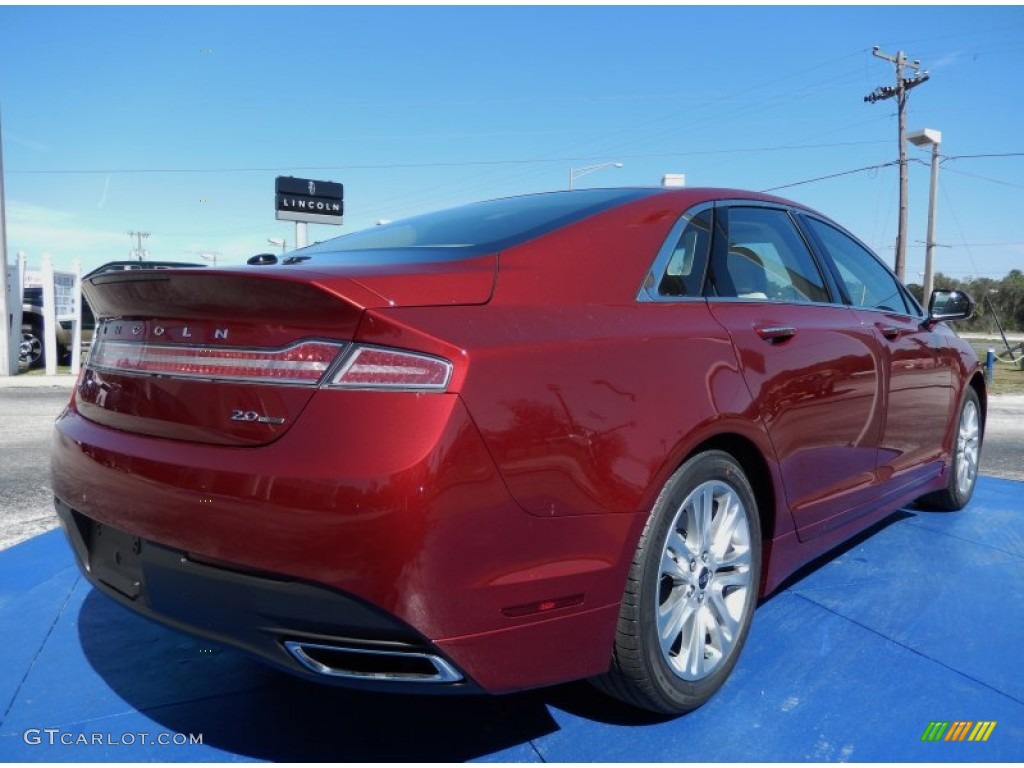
62, 303
15, 279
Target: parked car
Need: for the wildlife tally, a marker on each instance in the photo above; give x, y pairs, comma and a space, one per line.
33, 345
525, 441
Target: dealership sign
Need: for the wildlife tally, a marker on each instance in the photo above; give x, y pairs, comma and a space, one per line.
320, 202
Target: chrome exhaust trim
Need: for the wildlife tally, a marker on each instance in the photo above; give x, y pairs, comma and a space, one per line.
305, 653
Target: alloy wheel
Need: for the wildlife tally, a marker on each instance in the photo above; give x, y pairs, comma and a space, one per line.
968, 443
704, 580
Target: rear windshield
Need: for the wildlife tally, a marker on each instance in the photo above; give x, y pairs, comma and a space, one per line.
469, 230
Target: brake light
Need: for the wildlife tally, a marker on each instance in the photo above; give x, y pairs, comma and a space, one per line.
376, 368
303, 363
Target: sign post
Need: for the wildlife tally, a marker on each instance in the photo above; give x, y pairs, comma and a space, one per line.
305, 200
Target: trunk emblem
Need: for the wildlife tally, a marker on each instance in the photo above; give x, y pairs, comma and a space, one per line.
237, 414
183, 332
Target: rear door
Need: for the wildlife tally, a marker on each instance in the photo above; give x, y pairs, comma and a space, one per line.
813, 368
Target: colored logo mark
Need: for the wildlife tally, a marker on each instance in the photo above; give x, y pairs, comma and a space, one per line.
958, 730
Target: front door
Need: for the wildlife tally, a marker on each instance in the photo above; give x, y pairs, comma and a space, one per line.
918, 364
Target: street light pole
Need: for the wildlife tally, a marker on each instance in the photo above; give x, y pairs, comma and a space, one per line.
929, 249
575, 173
922, 139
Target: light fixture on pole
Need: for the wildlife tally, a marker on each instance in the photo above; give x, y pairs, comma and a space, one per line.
575, 173
208, 255
924, 138
279, 241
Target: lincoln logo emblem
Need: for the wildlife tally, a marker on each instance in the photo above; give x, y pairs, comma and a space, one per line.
312, 189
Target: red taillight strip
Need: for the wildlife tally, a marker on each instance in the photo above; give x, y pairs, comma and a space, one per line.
380, 368
303, 363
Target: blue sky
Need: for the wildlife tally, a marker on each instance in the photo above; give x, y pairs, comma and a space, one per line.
175, 120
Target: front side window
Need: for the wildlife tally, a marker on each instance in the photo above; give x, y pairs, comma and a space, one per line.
868, 283
766, 259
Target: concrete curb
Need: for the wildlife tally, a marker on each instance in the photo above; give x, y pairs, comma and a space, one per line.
21, 381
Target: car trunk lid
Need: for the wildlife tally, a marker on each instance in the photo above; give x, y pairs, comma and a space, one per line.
231, 357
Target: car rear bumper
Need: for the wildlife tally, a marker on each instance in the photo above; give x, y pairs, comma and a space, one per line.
306, 629
419, 558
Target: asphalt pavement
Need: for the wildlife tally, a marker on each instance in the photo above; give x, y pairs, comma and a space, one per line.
26, 501
29, 404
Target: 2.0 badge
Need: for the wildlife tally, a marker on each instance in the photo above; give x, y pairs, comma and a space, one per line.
237, 414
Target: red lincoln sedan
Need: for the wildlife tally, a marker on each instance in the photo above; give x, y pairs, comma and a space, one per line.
525, 441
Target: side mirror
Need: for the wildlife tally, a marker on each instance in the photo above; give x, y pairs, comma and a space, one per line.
949, 305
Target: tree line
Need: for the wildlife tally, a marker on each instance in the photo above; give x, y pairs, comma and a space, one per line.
1005, 297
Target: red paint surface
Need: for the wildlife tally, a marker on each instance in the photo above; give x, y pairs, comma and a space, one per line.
530, 479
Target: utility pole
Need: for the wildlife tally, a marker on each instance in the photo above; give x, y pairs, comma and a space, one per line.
138, 252
900, 91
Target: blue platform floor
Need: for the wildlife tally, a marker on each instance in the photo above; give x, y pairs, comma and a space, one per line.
919, 620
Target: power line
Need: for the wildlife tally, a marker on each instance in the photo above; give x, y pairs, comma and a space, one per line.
614, 146
833, 176
980, 245
453, 164
948, 158
963, 237
986, 178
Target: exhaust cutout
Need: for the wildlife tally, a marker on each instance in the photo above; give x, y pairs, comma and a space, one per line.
368, 664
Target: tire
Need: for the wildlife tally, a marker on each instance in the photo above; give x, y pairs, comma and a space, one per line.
31, 350
692, 582
963, 471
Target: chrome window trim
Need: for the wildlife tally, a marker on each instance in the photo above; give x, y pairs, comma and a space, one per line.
648, 292
773, 302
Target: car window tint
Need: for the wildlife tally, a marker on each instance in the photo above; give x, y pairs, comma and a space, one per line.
684, 273
766, 259
868, 282
468, 230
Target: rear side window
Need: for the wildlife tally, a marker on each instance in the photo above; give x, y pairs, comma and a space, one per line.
766, 259
868, 283
685, 271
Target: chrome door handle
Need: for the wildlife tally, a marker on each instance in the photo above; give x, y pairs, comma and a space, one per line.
889, 331
774, 333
